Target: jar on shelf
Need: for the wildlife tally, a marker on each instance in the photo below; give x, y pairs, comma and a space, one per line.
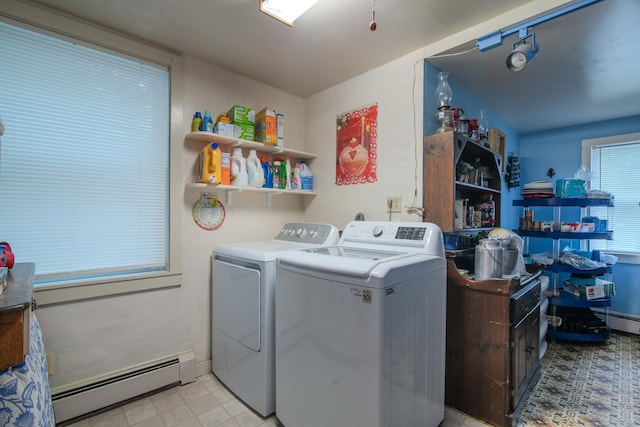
488, 209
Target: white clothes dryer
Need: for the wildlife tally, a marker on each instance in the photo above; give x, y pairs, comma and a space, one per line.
242, 290
360, 329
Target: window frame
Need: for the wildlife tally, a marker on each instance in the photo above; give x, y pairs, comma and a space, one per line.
587, 146
44, 20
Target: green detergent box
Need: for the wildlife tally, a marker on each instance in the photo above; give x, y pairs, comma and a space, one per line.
601, 289
239, 114
244, 131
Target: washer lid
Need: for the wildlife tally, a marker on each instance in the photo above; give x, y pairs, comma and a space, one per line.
346, 261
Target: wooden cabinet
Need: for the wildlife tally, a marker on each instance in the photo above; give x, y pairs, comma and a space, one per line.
444, 180
492, 342
15, 305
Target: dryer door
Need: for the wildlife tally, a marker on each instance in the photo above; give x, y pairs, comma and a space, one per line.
236, 302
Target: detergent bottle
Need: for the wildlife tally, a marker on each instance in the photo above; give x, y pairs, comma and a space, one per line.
267, 181
210, 164
287, 183
239, 169
275, 172
207, 123
255, 175
306, 178
295, 182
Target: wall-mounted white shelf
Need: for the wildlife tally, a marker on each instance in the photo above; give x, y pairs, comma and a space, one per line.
226, 141
230, 189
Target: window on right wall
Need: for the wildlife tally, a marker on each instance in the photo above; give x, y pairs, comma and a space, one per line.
614, 162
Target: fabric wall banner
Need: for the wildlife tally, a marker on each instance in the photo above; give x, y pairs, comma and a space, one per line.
356, 134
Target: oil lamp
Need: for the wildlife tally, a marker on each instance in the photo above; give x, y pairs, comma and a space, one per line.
443, 96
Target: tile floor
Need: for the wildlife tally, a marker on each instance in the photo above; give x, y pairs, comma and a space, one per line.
203, 403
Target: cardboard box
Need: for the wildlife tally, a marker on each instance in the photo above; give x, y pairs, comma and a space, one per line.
224, 129
601, 289
266, 127
280, 129
244, 131
239, 114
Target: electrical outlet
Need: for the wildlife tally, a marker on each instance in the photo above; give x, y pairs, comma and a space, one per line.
394, 204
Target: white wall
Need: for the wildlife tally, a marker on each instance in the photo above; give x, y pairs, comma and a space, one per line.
248, 217
399, 143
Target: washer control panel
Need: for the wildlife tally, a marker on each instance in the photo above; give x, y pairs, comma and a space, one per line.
407, 234
305, 232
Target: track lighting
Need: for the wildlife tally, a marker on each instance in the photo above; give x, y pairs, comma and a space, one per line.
523, 52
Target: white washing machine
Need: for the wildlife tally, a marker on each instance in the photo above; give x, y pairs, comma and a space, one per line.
243, 277
360, 329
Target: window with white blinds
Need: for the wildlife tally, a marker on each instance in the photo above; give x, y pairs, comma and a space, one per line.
614, 164
84, 161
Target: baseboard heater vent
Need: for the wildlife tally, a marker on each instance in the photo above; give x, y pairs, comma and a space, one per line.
106, 392
620, 321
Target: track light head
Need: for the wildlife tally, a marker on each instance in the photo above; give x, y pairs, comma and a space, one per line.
522, 53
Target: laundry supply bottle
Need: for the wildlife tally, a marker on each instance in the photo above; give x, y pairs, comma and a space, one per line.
239, 168
275, 172
306, 177
287, 170
267, 181
254, 170
295, 182
196, 123
207, 123
210, 164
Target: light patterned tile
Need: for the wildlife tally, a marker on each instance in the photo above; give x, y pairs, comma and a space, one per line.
234, 407
193, 390
154, 421
168, 401
229, 423
140, 413
176, 416
223, 395
270, 422
203, 404
115, 420
193, 422
214, 417
248, 419
210, 382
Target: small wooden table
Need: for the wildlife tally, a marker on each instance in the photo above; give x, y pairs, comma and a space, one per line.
15, 316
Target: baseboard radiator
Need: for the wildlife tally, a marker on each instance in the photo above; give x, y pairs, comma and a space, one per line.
122, 386
620, 322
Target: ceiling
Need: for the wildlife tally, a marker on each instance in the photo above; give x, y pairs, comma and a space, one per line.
583, 72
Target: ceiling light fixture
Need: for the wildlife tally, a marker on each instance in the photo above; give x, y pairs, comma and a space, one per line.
286, 11
523, 51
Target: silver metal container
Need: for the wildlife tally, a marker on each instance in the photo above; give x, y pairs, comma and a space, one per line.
489, 260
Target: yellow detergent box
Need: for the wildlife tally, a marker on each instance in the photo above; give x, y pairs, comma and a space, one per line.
266, 127
239, 114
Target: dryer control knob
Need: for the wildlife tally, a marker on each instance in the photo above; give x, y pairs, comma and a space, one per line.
301, 232
377, 231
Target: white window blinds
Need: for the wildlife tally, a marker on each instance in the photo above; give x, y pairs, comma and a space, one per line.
84, 162
615, 170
